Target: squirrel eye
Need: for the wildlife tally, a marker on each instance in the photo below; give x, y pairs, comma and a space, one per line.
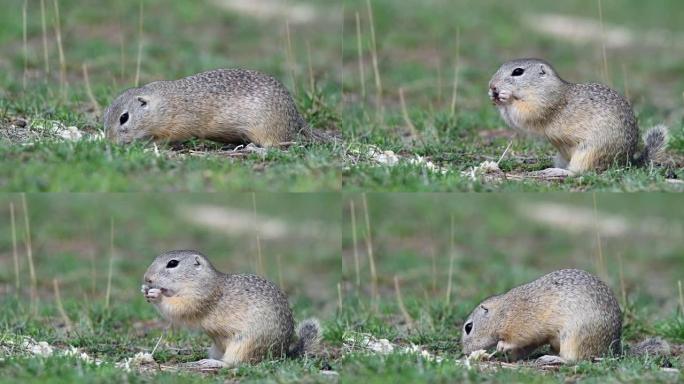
124, 118
173, 263
468, 327
518, 72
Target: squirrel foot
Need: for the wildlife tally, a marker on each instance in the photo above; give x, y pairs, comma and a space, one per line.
550, 360
551, 173
208, 364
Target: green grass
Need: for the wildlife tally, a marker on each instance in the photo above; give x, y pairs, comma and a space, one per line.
501, 240
70, 234
420, 58
180, 39
500, 243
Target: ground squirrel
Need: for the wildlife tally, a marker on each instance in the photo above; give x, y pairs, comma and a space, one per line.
226, 105
247, 317
570, 309
591, 125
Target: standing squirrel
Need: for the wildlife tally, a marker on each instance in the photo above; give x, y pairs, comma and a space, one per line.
247, 317
591, 125
226, 105
570, 309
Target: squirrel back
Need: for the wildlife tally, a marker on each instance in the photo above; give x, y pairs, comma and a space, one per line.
227, 105
572, 310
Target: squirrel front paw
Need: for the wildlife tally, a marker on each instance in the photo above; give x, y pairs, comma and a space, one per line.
151, 294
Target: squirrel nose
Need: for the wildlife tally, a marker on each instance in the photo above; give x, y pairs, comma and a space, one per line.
148, 280
495, 92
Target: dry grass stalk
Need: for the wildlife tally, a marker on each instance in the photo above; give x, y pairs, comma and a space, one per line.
407, 318
15, 253
60, 50
29, 255
374, 57
600, 266
279, 263
58, 298
290, 58
359, 47
452, 252
454, 93
605, 74
339, 296
312, 84
369, 247
140, 46
681, 296
433, 256
624, 81
89, 91
623, 289
357, 264
111, 262
259, 260
24, 19
43, 24
407, 118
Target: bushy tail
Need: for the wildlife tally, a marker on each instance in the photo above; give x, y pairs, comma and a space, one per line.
308, 338
653, 346
655, 141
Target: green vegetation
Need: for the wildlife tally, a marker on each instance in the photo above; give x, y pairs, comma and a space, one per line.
179, 38
299, 244
501, 241
419, 47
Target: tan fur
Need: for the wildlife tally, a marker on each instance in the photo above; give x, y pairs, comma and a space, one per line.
247, 317
573, 117
227, 105
570, 309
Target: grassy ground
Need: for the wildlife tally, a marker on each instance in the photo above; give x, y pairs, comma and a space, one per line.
501, 241
179, 38
417, 48
299, 241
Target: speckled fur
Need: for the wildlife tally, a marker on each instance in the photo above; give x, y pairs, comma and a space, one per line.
592, 126
570, 309
225, 105
246, 316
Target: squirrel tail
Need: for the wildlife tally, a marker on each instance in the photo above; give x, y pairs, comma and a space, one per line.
653, 346
308, 338
655, 141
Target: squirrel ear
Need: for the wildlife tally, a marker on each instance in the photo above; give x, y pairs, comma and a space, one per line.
542, 69
484, 308
197, 261
143, 101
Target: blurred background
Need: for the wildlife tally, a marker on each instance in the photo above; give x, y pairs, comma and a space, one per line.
292, 239
296, 42
416, 72
420, 44
450, 251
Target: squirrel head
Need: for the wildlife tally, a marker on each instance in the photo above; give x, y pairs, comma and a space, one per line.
532, 80
480, 330
128, 113
181, 273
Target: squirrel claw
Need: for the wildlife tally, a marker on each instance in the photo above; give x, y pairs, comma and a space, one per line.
550, 360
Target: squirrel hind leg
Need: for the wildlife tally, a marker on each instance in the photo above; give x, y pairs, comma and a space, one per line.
583, 160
